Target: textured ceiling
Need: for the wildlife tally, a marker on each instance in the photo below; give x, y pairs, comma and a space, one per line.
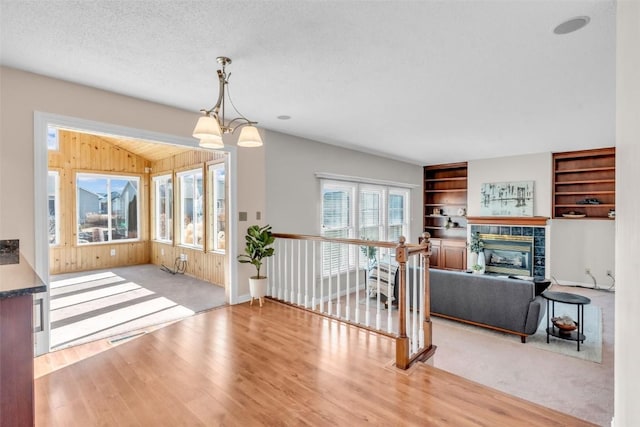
425, 81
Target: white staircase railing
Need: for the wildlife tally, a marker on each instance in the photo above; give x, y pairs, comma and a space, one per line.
380, 286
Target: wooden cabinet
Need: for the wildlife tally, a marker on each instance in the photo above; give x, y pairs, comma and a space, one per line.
445, 214
448, 254
581, 177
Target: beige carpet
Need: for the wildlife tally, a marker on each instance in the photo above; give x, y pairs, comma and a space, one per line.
560, 381
92, 305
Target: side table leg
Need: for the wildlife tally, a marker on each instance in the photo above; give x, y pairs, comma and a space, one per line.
580, 326
548, 320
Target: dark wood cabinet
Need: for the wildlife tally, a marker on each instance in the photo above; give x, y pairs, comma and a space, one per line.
448, 254
584, 183
445, 214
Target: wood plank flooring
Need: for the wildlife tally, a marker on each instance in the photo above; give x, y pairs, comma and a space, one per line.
275, 365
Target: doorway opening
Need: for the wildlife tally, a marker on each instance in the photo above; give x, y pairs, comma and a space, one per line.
136, 229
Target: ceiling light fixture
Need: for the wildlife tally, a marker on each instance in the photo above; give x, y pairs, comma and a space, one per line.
571, 25
212, 125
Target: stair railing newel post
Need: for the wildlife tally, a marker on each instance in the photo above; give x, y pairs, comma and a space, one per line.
402, 341
426, 306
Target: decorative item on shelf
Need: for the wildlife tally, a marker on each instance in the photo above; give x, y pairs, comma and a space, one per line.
210, 127
573, 214
258, 242
462, 212
477, 269
476, 245
437, 211
564, 323
612, 213
588, 201
449, 224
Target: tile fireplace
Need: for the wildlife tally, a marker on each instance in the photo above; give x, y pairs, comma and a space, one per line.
513, 250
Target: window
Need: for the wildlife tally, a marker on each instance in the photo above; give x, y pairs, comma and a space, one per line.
53, 143
163, 208
398, 224
191, 214
377, 213
217, 206
107, 208
53, 192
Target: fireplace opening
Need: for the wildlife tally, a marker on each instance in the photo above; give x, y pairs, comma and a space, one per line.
511, 255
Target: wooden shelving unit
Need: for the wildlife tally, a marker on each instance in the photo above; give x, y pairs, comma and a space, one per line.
581, 175
445, 194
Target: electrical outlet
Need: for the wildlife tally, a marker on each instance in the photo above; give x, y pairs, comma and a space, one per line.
162, 251
183, 257
113, 252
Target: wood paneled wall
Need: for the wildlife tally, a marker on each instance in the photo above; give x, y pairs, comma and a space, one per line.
81, 152
208, 266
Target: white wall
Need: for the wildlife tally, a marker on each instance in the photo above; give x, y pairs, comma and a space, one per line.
293, 191
533, 167
627, 332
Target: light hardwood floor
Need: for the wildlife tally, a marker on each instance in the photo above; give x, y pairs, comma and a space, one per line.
275, 365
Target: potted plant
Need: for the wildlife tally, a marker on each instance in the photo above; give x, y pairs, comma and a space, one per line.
477, 269
476, 246
258, 241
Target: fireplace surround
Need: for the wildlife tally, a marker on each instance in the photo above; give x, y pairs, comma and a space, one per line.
518, 237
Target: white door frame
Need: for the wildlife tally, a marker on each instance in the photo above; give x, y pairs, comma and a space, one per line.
41, 122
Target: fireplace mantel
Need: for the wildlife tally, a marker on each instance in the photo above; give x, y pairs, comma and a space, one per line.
539, 221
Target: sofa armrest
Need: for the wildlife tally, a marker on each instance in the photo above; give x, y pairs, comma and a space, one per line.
537, 308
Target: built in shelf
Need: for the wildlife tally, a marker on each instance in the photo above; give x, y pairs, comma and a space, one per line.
580, 175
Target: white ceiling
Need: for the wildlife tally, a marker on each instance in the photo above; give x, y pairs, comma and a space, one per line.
424, 81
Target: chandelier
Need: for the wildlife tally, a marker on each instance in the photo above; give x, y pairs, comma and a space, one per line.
212, 125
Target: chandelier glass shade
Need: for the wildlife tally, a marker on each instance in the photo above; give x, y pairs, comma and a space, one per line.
212, 125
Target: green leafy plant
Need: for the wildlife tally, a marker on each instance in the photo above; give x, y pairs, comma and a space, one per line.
476, 267
258, 240
370, 252
476, 245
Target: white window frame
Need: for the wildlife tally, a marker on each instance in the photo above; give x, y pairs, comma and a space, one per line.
195, 221
213, 193
167, 181
56, 207
109, 178
356, 189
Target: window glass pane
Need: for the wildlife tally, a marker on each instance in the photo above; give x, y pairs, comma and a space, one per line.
191, 211
107, 208
53, 192
370, 215
163, 190
217, 207
52, 139
336, 207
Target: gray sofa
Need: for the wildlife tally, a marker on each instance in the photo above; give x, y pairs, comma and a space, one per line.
500, 303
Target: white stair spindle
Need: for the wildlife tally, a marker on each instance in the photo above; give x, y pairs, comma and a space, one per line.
299, 275
421, 302
338, 289
306, 274
329, 302
348, 290
378, 314
292, 286
414, 304
280, 261
323, 246
357, 269
389, 293
313, 276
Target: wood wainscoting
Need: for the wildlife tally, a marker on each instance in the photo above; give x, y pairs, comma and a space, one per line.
207, 266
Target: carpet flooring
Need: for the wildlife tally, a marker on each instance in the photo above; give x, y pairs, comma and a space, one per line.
88, 306
555, 379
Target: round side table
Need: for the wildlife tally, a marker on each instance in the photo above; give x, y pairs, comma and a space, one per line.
566, 298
